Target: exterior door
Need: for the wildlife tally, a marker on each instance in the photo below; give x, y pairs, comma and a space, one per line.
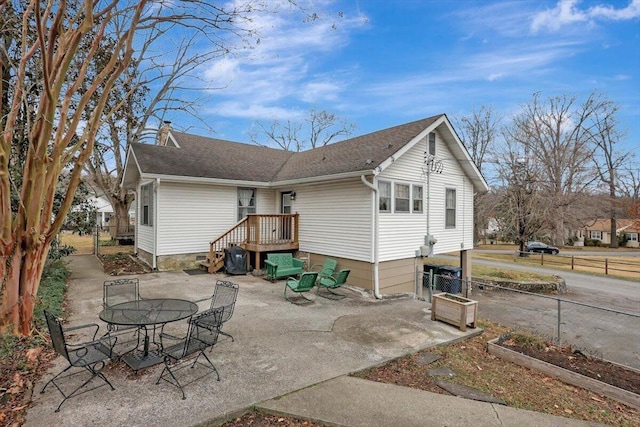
285, 208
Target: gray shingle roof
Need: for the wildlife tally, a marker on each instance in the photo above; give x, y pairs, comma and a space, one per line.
204, 157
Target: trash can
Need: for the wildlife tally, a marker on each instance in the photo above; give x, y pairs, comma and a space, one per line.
235, 260
450, 279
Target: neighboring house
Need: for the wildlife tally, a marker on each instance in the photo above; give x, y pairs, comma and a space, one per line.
104, 211
600, 230
369, 202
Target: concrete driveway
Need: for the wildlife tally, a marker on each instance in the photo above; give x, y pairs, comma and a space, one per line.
279, 348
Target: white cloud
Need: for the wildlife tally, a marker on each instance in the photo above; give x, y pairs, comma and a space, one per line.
567, 12
281, 66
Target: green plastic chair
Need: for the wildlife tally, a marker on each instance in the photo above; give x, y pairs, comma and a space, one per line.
325, 270
306, 282
327, 284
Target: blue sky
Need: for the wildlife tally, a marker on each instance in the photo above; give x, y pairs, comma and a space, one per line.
384, 63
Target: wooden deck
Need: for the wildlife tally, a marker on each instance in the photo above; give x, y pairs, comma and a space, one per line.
257, 233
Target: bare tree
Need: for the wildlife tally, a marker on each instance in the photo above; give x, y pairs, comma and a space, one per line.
556, 138
478, 133
629, 182
318, 129
608, 158
520, 209
47, 51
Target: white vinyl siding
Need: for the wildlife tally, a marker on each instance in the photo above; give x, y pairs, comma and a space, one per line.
144, 234
402, 235
335, 219
192, 215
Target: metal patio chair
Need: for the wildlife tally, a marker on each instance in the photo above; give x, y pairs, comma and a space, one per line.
90, 355
118, 291
306, 282
325, 270
328, 284
224, 296
202, 334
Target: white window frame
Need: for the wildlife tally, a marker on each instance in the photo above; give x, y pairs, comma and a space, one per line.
381, 197
396, 198
633, 237
414, 199
595, 235
242, 199
146, 201
448, 209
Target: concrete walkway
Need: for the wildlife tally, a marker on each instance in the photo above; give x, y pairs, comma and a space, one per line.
285, 358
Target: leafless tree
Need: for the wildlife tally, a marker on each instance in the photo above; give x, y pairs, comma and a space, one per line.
478, 133
317, 129
608, 158
629, 182
47, 51
555, 136
520, 209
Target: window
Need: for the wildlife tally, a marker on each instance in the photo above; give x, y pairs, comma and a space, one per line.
450, 208
146, 204
417, 198
402, 197
632, 237
597, 235
432, 143
384, 196
246, 202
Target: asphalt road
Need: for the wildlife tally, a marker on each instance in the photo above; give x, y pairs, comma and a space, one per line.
598, 331
569, 252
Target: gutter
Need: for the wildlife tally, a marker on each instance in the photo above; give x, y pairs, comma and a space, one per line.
376, 263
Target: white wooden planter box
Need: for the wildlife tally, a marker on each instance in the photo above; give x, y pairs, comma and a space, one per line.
565, 375
455, 310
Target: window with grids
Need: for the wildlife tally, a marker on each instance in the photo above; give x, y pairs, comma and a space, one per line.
402, 201
596, 235
417, 198
246, 202
450, 208
146, 204
384, 196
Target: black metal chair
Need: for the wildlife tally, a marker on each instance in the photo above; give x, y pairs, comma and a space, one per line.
118, 291
224, 296
90, 355
202, 334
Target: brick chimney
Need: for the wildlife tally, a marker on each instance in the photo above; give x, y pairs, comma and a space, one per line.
163, 133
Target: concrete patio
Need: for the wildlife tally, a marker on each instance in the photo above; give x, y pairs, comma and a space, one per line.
279, 348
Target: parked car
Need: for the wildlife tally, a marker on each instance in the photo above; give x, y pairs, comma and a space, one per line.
542, 248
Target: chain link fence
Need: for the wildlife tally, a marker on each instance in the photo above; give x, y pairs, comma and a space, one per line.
595, 330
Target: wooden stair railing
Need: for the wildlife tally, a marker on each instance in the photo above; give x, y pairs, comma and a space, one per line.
257, 233
237, 235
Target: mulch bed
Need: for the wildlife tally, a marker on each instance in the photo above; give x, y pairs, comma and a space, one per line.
576, 361
122, 263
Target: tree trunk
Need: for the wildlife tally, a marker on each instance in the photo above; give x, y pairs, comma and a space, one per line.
120, 221
21, 288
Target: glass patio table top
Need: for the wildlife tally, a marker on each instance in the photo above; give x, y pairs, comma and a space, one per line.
146, 312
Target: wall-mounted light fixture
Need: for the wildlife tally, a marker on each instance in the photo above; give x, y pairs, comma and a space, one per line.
293, 195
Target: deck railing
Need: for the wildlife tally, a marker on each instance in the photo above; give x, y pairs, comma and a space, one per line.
256, 231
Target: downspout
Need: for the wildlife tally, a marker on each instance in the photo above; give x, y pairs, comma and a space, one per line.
136, 223
156, 187
376, 263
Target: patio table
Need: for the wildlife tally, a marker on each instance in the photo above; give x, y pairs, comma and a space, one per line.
146, 313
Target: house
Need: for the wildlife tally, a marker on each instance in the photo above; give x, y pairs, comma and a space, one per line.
374, 203
600, 229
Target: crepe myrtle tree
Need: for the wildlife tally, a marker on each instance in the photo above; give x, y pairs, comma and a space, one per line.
54, 101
